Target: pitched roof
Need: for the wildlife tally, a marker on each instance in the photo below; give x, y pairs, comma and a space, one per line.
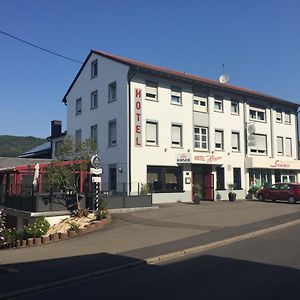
180, 76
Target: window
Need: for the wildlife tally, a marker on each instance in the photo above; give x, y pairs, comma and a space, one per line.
280, 145
94, 68
94, 133
235, 141
78, 106
151, 90
258, 114
112, 133
220, 179
200, 102
288, 147
201, 138
112, 91
219, 103
261, 144
237, 178
287, 118
176, 135
219, 140
176, 95
235, 107
151, 133
94, 99
78, 136
278, 116
164, 179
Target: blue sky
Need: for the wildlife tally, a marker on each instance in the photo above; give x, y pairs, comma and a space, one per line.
258, 41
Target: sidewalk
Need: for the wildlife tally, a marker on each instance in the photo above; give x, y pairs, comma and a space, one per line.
132, 237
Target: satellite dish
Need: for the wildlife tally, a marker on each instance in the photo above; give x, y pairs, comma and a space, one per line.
224, 78
251, 128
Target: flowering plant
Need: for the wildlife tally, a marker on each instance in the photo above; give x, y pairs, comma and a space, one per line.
2, 225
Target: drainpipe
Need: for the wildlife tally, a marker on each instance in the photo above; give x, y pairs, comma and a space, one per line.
297, 137
130, 75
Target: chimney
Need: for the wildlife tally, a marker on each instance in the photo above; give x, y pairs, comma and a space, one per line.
55, 128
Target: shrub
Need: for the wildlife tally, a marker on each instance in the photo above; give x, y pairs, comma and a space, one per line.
73, 226
10, 235
101, 214
37, 229
145, 189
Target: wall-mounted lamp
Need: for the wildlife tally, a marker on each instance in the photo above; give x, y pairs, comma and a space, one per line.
120, 169
189, 150
166, 149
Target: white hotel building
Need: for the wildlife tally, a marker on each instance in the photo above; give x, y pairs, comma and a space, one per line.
173, 130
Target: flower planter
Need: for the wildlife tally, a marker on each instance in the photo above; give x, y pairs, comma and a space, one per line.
45, 239
63, 235
72, 233
99, 224
82, 231
29, 242
23, 243
54, 237
37, 241
17, 243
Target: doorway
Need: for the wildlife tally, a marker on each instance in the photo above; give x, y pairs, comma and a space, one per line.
203, 181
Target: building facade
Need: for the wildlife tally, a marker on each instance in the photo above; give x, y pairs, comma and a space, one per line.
174, 131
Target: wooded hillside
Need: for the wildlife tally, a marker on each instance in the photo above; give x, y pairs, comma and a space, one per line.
13, 146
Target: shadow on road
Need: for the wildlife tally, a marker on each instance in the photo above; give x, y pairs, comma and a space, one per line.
210, 277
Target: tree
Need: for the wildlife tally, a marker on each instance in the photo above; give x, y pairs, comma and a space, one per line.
72, 157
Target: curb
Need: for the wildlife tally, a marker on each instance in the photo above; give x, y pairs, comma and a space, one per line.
151, 260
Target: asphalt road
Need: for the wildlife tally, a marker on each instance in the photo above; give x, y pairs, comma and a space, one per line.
266, 267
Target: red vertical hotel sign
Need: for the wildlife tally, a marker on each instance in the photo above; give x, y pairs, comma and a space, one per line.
138, 117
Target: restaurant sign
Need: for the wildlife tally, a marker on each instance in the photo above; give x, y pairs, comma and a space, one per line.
188, 158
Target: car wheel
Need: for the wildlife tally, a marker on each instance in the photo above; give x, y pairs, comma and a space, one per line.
292, 199
261, 197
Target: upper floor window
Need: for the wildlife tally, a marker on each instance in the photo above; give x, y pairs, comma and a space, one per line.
258, 114
219, 103
176, 95
151, 133
280, 145
235, 141
94, 133
112, 91
219, 140
288, 147
77, 137
235, 107
287, 118
278, 116
151, 90
78, 106
112, 133
260, 146
94, 68
200, 103
94, 99
176, 135
201, 138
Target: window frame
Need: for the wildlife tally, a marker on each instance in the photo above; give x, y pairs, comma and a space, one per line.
94, 72
237, 103
200, 141
238, 141
180, 145
201, 98
280, 140
78, 111
290, 148
150, 142
255, 151
220, 100
93, 106
151, 85
222, 138
94, 138
257, 110
289, 121
279, 112
110, 85
176, 90
111, 142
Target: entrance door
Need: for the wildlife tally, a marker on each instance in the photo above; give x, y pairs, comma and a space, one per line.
203, 181
112, 179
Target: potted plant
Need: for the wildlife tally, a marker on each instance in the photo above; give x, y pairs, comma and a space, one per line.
231, 194
197, 193
252, 192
